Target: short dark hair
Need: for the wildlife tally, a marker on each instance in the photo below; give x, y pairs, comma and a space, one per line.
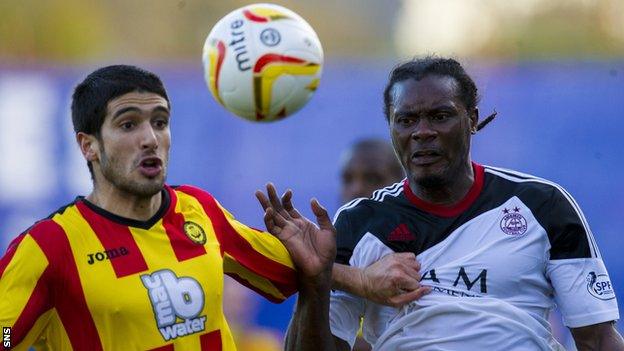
370, 145
418, 68
92, 95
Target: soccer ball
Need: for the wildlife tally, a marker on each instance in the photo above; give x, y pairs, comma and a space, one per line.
262, 62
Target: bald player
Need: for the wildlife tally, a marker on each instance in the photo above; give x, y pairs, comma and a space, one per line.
369, 164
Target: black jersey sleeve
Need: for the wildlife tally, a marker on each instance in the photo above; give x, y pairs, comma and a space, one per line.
345, 242
568, 232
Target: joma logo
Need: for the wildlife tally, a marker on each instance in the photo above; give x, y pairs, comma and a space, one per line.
107, 255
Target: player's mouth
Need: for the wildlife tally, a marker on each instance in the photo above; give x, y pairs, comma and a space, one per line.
150, 166
426, 157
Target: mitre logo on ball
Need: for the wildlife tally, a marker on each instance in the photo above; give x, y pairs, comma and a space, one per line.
262, 62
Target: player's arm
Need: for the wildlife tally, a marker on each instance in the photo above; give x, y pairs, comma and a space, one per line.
602, 336
254, 258
23, 270
582, 287
394, 280
313, 250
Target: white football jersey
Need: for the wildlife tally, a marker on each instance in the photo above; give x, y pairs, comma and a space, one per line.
497, 263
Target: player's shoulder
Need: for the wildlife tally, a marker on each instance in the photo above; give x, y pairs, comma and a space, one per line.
370, 215
189, 189
523, 183
198, 193
364, 207
46, 230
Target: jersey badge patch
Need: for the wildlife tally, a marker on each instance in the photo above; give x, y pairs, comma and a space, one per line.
194, 232
599, 286
513, 223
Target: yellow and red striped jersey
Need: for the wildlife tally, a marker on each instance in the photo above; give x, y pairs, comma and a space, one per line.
86, 279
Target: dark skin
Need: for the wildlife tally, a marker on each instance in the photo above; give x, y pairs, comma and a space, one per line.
368, 169
430, 128
601, 336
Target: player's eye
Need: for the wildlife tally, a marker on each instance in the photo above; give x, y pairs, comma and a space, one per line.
161, 123
440, 117
404, 121
127, 125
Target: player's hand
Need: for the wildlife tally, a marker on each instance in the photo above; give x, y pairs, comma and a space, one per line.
311, 247
394, 280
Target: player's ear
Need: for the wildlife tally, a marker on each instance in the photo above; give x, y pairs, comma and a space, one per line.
474, 120
89, 146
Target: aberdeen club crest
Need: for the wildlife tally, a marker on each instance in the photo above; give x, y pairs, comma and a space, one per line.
513, 223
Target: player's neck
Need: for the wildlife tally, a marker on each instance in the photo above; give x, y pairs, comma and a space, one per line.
449, 193
124, 204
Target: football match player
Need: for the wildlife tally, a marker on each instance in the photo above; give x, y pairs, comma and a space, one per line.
138, 264
497, 247
367, 165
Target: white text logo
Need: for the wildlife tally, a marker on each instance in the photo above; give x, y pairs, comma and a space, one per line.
174, 298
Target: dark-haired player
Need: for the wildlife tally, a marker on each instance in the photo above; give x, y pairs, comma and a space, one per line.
367, 165
498, 248
138, 264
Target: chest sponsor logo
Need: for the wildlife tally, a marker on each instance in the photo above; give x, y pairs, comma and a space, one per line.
109, 254
194, 232
599, 286
177, 303
513, 223
463, 283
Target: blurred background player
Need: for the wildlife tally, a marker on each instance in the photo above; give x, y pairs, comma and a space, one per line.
367, 165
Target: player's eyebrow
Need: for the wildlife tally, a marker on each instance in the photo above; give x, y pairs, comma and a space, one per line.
138, 110
161, 109
434, 108
125, 110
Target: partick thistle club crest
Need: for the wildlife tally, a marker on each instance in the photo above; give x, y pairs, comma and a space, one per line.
194, 232
513, 223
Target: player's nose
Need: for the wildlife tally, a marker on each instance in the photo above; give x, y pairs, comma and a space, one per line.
423, 130
148, 138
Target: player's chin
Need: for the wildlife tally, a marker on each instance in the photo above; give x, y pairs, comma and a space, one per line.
430, 177
149, 186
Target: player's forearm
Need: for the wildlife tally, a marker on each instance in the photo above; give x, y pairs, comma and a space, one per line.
309, 328
349, 279
598, 337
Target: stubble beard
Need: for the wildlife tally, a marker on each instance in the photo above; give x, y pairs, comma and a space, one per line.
443, 178
113, 173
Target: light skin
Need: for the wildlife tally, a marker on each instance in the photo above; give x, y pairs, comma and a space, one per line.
136, 131
130, 156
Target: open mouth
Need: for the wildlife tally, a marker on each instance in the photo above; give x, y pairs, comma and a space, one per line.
150, 166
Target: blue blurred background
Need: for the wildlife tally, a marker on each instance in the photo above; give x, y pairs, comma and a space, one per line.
557, 85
